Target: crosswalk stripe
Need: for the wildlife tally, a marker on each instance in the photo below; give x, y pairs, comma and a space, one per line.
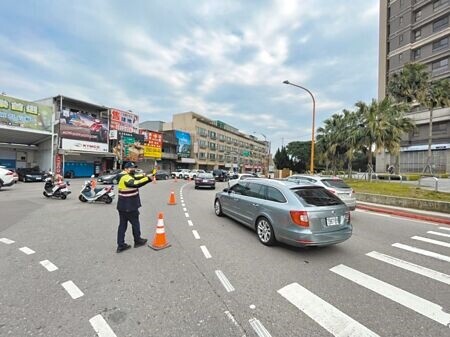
435, 275
411, 301
330, 318
435, 242
422, 252
7, 241
439, 234
445, 228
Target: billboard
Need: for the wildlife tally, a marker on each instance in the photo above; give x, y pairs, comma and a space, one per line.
24, 114
130, 147
183, 144
81, 125
152, 144
82, 145
124, 121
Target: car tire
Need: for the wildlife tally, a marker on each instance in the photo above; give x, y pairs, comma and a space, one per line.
265, 232
218, 208
196, 187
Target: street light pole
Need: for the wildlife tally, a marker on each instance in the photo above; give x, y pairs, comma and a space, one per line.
313, 121
267, 155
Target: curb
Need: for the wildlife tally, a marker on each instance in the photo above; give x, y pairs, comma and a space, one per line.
405, 214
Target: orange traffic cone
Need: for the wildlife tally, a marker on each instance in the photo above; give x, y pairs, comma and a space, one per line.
172, 199
159, 241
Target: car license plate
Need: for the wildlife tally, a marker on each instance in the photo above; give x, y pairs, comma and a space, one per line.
38, 178
205, 181
333, 221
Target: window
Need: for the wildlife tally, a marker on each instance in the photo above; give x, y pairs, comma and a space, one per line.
439, 128
418, 15
238, 188
202, 155
440, 24
439, 3
274, 195
212, 156
417, 34
212, 134
400, 38
416, 54
254, 190
317, 196
401, 20
440, 65
441, 44
400, 56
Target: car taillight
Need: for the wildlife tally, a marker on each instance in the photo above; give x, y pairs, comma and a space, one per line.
300, 218
9, 173
347, 217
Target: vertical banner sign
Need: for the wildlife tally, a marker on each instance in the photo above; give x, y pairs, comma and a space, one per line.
58, 164
153, 144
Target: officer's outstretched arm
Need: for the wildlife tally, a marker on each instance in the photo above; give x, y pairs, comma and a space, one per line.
136, 183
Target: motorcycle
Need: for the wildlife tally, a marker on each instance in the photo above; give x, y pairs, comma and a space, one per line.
56, 190
104, 194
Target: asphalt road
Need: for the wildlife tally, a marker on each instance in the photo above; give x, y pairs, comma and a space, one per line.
183, 290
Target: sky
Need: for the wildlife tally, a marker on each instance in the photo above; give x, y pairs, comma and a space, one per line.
222, 59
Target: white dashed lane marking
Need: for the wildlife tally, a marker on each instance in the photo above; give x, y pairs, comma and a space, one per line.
430, 273
72, 289
259, 328
186, 215
422, 252
205, 252
7, 241
330, 318
27, 250
184, 209
101, 327
196, 235
418, 304
48, 265
225, 282
190, 223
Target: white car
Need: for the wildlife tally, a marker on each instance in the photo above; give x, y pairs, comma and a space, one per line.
193, 174
237, 177
6, 178
333, 184
179, 173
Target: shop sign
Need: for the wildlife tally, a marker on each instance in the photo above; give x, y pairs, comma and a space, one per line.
81, 125
58, 164
83, 146
152, 144
130, 147
183, 144
24, 114
113, 134
124, 121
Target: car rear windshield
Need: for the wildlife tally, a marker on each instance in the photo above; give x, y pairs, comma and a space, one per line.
336, 183
206, 175
317, 196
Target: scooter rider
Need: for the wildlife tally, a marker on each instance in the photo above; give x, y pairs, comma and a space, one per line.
128, 205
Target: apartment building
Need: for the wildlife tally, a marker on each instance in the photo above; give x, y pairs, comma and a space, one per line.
216, 144
416, 31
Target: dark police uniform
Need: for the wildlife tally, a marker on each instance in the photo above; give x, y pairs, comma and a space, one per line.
128, 205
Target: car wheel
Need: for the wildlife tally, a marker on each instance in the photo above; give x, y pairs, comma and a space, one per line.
265, 232
218, 208
196, 187
82, 198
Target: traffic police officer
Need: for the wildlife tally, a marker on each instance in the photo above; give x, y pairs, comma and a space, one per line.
128, 205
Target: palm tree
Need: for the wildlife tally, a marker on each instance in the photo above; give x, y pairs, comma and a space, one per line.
414, 86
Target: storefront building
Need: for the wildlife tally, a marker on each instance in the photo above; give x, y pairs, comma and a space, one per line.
25, 134
82, 137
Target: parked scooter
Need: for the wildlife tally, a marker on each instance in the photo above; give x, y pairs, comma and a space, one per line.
59, 189
105, 194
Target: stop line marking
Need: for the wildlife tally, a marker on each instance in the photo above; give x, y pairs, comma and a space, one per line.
101, 327
7, 241
329, 317
408, 300
27, 250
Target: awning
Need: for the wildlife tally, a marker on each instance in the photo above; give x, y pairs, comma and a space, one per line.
16, 135
79, 153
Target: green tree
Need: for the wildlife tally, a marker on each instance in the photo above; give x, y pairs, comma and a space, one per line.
281, 159
413, 85
300, 155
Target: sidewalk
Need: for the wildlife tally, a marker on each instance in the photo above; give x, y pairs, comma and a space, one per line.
441, 218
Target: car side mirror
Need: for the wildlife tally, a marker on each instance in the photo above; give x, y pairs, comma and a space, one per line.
226, 190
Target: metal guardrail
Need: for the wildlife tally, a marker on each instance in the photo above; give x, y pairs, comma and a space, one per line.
434, 181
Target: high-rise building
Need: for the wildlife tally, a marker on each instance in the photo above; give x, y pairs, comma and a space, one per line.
416, 31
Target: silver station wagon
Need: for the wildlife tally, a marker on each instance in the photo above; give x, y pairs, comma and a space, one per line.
296, 214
